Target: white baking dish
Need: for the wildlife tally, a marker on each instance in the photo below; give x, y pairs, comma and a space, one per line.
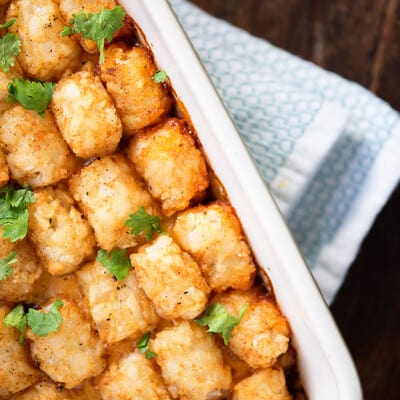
326, 368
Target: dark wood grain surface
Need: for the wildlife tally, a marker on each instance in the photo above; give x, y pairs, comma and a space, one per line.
359, 40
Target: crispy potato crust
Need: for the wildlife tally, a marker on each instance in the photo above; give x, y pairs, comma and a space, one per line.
26, 271
263, 334
132, 377
168, 160
85, 115
15, 372
44, 391
191, 363
171, 279
62, 238
264, 384
127, 74
35, 151
71, 354
213, 236
58, 287
119, 309
4, 175
108, 191
45, 54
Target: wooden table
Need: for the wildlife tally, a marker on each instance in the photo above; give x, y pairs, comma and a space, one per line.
359, 40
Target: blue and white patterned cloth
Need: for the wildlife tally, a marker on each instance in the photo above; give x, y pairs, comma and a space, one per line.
329, 149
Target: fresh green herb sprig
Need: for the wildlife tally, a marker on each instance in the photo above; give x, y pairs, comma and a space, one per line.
143, 222
16, 318
6, 268
219, 321
40, 322
10, 47
160, 76
96, 26
43, 323
117, 262
143, 346
30, 94
14, 213
8, 24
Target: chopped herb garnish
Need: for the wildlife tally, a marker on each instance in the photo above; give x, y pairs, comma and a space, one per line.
219, 321
5, 265
10, 47
16, 318
43, 323
160, 76
14, 211
96, 26
143, 346
117, 262
141, 221
6, 25
40, 322
30, 94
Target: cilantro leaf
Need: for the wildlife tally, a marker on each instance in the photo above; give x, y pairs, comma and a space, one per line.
141, 221
16, 318
19, 197
5, 265
14, 213
67, 31
43, 323
10, 47
6, 25
219, 321
32, 95
117, 262
143, 346
96, 26
160, 76
16, 226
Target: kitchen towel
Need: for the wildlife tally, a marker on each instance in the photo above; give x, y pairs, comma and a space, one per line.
328, 148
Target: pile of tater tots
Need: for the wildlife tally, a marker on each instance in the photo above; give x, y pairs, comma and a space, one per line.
128, 279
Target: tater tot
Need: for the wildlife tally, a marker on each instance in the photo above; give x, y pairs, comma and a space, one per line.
70, 7
263, 333
45, 54
58, 287
127, 73
132, 377
4, 175
85, 115
168, 160
15, 372
171, 279
191, 363
25, 271
264, 384
71, 354
119, 309
108, 191
212, 235
35, 151
62, 238
44, 391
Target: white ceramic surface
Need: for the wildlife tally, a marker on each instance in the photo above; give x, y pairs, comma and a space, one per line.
326, 368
